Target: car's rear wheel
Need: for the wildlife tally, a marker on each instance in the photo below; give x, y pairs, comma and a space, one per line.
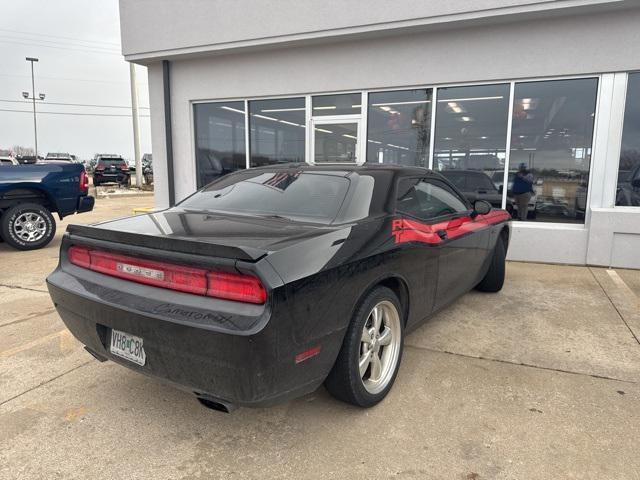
371, 352
27, 226
494, 279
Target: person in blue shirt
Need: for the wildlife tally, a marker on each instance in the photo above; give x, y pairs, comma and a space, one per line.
522, 190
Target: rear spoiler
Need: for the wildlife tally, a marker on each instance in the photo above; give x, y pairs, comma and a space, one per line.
171, 244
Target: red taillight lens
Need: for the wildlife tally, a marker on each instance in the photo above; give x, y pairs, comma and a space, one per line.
124, 167
100, 168
198, 281
233, 286
79, 256
84, 181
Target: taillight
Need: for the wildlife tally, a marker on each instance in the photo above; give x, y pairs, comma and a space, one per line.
198, 281
124, 167
233, 286
100, 168
84, 181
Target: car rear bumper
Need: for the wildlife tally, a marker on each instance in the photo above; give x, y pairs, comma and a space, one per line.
244, 368
110, 177
85, 204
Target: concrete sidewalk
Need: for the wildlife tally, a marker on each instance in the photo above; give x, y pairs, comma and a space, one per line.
538, 381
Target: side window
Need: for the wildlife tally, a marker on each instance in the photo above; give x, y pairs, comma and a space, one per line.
427, 199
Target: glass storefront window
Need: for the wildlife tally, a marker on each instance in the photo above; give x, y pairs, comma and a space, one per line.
471, 128
220, 139
399, 127
552, 132
277, 131
628, 189
342, 104
335, 142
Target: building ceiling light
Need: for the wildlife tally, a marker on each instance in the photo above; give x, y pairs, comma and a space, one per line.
401, 103
471, 99
323, 130
349, 136
466, 119
327, 107
455, 107
230, 109
264, 117
356, 106
484, 137
290, 123
385, 108
272, 110
374, 141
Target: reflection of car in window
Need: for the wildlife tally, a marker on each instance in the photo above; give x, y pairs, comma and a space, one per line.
628, 193
477, 186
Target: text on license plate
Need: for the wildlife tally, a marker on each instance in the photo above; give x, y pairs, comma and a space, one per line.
127, 346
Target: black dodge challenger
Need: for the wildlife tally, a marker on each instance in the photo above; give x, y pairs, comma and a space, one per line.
270, 281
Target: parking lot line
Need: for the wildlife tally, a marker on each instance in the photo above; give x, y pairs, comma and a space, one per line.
13, 351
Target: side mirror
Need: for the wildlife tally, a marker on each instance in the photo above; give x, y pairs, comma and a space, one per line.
480, 207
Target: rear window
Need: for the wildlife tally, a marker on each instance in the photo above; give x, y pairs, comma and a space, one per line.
296, 195
107, 162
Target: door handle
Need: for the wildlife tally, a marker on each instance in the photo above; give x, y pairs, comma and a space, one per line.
442, 234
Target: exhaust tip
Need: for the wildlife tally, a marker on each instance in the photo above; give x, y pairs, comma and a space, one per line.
216, 405
96, 355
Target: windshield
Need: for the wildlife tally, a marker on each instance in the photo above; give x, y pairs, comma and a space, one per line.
295, 195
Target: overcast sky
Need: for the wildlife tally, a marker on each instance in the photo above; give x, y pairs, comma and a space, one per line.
78, 44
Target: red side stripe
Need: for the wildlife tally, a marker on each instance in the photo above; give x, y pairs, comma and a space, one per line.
406, 230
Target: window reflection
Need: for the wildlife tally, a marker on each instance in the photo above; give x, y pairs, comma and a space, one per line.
343, 104
399, 125
335, 142
628, 190
220, 141
277, 131
551, 138
471, 128
471, 138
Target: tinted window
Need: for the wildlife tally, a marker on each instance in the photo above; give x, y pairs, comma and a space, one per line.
480, 181
277, 131
427, 199
628, 190
220, 141
343, 104
399, 126
297, 195
471, 128
551, 148
108, 162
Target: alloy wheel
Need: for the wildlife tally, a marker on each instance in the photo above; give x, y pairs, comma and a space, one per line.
380, 347
30, 227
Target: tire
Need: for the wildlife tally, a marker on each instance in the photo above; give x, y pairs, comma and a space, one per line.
494, 278
27, 226
345, 381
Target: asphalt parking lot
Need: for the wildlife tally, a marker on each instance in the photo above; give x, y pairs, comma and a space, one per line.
538, 381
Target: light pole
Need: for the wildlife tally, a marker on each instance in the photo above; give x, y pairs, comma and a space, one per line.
33, 97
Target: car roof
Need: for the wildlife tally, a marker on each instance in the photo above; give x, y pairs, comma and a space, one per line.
347, 168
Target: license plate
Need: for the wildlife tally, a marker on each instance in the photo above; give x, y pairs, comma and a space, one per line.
127, 346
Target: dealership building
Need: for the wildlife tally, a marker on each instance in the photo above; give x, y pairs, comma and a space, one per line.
477, 90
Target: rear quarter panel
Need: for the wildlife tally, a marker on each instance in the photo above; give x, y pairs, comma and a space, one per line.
59, 182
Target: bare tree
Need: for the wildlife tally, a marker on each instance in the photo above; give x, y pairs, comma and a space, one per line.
19, 150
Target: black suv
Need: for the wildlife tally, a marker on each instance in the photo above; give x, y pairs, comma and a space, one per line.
111, 168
